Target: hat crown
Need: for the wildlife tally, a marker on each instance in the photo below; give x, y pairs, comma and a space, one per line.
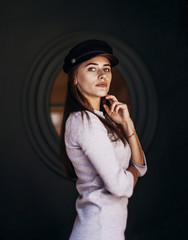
89, 46
86, 50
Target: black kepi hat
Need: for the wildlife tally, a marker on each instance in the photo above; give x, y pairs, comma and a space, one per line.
87, 50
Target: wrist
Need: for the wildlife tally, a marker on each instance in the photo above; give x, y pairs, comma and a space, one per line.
134, 172
128, 127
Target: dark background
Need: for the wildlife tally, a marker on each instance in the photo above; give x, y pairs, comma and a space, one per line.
38, 203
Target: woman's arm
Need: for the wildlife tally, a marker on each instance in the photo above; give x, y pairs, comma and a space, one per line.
89, 139
134, 172
119, 113
136, 149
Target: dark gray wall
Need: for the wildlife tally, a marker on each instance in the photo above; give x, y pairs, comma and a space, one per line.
36, 201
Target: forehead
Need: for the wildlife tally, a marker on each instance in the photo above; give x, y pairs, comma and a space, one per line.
98, 60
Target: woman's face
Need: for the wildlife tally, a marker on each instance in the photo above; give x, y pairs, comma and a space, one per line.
93, 78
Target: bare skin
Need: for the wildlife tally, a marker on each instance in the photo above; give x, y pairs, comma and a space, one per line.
119, 113
93, 80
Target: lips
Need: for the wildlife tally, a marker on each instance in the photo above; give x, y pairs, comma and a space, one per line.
101, 85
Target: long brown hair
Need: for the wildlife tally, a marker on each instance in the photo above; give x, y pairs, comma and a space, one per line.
75, 102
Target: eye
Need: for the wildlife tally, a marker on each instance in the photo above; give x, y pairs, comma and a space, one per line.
91, 69
107, 69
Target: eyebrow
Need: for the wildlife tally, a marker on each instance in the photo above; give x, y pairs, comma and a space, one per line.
107, 64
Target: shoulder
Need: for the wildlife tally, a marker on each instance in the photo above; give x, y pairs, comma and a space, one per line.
84, 122
82, 118
84, 129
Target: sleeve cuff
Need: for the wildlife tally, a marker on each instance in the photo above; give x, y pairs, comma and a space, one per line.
141, 168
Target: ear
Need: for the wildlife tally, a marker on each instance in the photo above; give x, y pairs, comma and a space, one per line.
75, 81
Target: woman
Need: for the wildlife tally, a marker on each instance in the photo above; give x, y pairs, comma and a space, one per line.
99, 144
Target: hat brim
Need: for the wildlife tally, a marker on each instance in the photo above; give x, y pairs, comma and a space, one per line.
112, 59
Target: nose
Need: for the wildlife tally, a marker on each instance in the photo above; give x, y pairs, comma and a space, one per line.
102, 74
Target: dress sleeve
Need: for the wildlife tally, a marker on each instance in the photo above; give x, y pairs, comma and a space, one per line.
141, 168
91, 136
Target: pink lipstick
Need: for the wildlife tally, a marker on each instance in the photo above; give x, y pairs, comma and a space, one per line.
101, 85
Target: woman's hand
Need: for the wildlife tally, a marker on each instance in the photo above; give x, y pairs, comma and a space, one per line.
119, 113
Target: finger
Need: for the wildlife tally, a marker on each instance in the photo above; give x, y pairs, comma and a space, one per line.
111, 97
113, 106
119, 106
107, 109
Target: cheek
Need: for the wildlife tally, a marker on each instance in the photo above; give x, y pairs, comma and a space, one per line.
110, 79
86, 81
84, 84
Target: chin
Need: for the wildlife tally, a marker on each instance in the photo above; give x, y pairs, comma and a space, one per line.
102, 94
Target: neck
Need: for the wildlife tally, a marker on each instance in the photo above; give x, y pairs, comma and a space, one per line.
95, 103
